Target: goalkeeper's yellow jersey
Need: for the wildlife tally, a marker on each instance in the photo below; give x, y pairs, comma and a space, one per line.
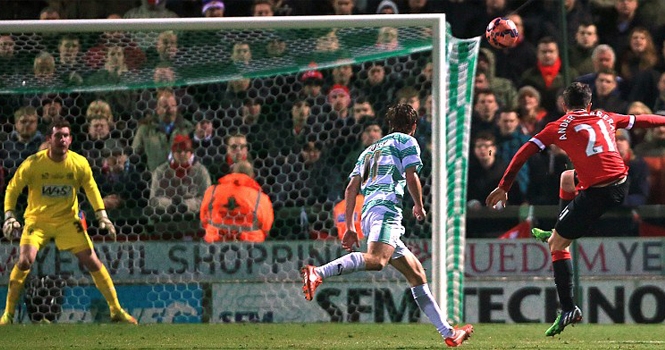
52, 187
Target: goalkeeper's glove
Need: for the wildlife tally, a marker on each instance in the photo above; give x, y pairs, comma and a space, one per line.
11, 227
105, 223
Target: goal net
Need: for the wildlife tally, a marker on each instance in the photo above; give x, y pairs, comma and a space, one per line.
297, 97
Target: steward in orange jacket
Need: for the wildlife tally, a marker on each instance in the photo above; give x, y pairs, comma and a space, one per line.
235, 209
339, 212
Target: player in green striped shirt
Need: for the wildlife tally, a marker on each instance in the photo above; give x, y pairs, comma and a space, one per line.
381, 174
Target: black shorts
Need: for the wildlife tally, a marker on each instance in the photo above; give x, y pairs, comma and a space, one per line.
588, 206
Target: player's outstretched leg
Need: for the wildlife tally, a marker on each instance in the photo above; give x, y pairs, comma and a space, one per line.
460, 334
310, 281
565, 318
541, 235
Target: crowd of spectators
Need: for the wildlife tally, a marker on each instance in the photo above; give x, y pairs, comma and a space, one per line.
155, 148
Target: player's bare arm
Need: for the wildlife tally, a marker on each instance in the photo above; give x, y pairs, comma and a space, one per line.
416, 191
350, 238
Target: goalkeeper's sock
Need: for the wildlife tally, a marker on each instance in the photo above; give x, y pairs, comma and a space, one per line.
426, 303
565, 198
563, 278
343, 265
16, 281
105, 285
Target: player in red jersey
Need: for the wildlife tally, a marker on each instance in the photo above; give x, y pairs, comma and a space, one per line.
588, 139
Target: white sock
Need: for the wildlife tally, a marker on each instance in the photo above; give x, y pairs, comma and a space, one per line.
343, 265
428, 305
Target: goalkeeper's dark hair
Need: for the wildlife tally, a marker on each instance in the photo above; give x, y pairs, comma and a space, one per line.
58, 123
577, 96
401, 118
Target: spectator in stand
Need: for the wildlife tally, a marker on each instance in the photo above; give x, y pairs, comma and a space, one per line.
659, 105
372, 132
408, 95
652, 150
615, 24
344, 75
166, 50
121, 181
49, 14
164, 76
638, 171
533, 117
485, 169
511, 63
212, 8
637, 135
503, 88
154, 137
69, 64
388, 39
387, 7
546, 76
344, 7
485, 111
178, 185
485, 11
290, 132
23, 141
262, 8
579, 54
98, 139
339, 100
362, 109
603, 94
637, 65
377, 88
95, 57
312, 89
509, 138
51, 111
422, 6
241, 54
43, 71
235, 209
115, 72
236, 150
10, 62
602, 57
577, 13
151, 9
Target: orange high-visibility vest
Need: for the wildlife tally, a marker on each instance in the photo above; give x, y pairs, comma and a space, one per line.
339, 213
235, 209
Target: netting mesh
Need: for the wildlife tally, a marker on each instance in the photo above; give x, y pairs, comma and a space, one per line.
300, 105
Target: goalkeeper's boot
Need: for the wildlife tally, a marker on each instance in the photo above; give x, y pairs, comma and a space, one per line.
541, 235
310, 281
6, 319
123, 316
460, 334
565, 318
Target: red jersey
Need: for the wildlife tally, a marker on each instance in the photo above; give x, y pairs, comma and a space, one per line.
588, 139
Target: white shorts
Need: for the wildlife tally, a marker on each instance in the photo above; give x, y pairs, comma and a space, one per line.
386, 227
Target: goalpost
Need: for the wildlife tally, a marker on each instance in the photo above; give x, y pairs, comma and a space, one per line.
282, 48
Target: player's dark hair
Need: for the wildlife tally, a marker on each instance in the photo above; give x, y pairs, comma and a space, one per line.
58, 123
577, 95
401, 118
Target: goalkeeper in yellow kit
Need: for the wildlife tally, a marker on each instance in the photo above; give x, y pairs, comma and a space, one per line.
53, 177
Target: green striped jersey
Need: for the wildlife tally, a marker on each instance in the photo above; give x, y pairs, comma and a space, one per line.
382, 170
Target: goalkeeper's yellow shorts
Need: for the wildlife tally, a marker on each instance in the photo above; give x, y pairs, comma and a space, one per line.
69, 235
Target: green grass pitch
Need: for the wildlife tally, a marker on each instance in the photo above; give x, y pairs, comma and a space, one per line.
323, 336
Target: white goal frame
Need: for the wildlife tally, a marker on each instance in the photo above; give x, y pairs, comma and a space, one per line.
440, 187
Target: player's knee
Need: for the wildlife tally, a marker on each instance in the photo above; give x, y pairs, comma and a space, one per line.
568, 181
375, 263
24, 263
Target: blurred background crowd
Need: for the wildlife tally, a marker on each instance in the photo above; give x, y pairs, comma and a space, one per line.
155, 150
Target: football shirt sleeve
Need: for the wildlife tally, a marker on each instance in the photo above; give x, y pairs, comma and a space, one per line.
90, 186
